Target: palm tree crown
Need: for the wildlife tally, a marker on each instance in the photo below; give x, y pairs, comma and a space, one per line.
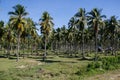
17, 17
46, 23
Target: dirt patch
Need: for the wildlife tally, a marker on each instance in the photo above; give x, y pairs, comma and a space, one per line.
21, 67
27, 63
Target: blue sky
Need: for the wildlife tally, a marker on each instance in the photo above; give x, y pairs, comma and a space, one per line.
60, 10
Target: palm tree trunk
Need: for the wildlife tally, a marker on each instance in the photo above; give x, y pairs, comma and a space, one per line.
51, 46
8, 50
18, 47
112, 43
96, 34
44, 55
83, 56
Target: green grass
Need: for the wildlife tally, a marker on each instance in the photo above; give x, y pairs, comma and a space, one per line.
55, 68
5, 64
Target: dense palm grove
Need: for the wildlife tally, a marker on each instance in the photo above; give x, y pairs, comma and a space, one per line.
86, 32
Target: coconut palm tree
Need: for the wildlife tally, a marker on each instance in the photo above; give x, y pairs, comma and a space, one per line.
94, 19
72, 25
70, 39
113, 29
1, 32
81, 23
46, 28
1, 28
31, 32
17, 19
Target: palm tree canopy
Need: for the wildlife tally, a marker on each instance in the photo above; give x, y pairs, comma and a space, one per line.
46, 23
95, 18
113, 24
81, 19
17, 18
72, 22
19, 11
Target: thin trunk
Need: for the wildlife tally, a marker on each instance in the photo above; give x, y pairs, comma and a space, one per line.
96, 34
8, 50
44, 55
51, 46
23, 50
83, 56
18, 47
112, 44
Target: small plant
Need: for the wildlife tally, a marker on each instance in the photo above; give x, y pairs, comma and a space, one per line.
80, 72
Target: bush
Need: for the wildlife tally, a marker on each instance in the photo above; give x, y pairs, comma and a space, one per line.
110, 63
93, 65
106, 63
118, 59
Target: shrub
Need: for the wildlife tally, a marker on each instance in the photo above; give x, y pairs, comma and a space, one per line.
93, 65
107, 63
118, 59
110, 63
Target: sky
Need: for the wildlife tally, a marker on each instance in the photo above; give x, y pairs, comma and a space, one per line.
60, 10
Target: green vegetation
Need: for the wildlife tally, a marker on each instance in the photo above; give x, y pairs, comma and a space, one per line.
55, 67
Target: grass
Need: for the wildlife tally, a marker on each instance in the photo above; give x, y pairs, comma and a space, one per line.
34, 69
55, 68
5, 64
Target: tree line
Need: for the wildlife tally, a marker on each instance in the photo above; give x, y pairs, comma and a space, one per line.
86, 32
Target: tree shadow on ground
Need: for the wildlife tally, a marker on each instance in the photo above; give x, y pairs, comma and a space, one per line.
68, 56
55, 61
50, 61
12, 57
40, 57
87, 59
2, 56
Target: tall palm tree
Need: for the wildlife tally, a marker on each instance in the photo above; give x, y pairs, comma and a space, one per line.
72, 25
1, 28
18, 21
64, 37
58, 37
10, 38
70, 39
1, 31
46, 28
31, 31
113, 27
81, 23
94, 20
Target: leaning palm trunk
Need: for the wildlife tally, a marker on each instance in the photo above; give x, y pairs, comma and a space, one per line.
18, 47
